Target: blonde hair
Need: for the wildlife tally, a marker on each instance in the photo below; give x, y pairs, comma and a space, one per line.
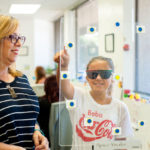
8, 25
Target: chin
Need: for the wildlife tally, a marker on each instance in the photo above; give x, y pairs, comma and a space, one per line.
11, 61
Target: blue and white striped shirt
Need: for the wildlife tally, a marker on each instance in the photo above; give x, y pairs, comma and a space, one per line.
18, 115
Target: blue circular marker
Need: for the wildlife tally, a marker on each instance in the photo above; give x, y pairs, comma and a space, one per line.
142, 123
89, 120
71, 104
64, 76
117, 131
70, 45
140, 29
92, 29
117, 24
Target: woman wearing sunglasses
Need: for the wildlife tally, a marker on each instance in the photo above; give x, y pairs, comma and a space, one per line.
97, 115
19, 106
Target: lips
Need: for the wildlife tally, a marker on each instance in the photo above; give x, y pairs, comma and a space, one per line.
15, 51
99, 84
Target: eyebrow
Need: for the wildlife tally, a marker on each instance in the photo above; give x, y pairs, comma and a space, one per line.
16, 34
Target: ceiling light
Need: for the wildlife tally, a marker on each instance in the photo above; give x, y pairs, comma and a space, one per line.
24, 8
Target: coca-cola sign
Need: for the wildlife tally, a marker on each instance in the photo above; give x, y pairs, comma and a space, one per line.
97, 131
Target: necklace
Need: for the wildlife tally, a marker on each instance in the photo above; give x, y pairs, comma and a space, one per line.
11, 91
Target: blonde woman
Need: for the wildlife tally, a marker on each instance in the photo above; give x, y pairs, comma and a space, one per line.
19, 106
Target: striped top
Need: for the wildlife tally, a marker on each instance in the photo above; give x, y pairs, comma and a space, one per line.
18, 115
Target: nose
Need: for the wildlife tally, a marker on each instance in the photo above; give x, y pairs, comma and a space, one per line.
98, 77
18, 43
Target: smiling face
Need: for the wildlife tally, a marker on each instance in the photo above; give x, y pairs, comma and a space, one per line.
8, 47
9, 50
99, 85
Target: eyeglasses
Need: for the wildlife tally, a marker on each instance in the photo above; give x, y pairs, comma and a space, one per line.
105, 74
14, 38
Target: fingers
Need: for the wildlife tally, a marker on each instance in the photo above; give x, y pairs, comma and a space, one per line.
65, 51
36, 139
44, 144
63, 54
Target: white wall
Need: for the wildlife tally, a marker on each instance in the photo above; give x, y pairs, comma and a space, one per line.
111, 12
129, 38
40, 43
121, 11
44, 43
26, 63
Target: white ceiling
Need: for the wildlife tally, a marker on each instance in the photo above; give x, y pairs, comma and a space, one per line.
50, 9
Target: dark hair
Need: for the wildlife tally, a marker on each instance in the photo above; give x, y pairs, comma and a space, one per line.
39, 73
108, 60
51, 89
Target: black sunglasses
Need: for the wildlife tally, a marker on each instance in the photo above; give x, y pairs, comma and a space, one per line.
105, 74
14, 38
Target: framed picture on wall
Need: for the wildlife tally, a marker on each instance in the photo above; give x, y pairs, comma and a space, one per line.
23, 51
109, 43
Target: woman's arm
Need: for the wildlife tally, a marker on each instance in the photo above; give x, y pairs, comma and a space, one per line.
4, 146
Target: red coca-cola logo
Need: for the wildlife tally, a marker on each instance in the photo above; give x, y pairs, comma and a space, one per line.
97, 131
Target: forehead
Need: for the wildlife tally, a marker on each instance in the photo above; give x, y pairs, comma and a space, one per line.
99, 65
14, 31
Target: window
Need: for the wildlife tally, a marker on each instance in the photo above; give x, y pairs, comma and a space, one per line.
87, 43
143, 48
59, 34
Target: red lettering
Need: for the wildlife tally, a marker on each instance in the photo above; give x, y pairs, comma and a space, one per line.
102, 129
96, 114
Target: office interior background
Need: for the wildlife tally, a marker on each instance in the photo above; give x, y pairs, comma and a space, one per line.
56, 23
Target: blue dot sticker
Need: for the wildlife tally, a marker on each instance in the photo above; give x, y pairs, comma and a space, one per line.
70, 45
91, 29
141, 123
140, 29
70, 104
65, 75
88, 121
117, 24
116, 131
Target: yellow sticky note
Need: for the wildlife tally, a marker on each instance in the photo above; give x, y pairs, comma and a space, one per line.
131, 96
137, 96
